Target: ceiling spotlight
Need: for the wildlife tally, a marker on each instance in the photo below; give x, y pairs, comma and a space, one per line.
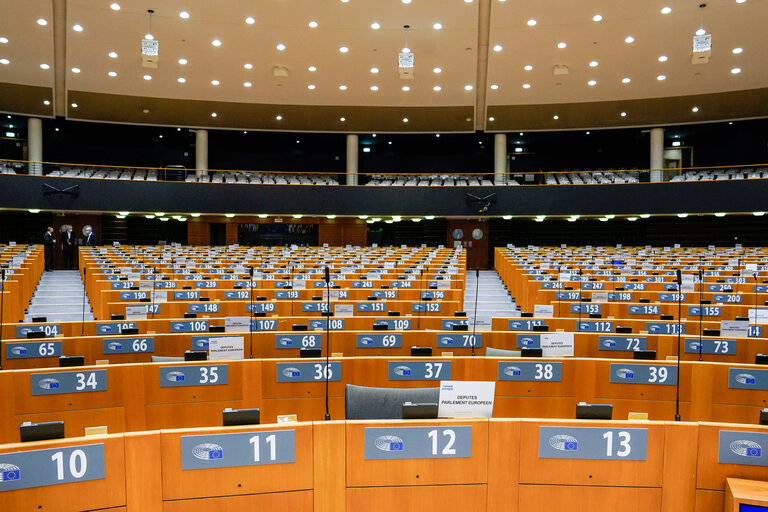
4, 40
629, 39
374, 70
736, 51
437, 26
147, 77
4, 62
216, 43
74, 105
343, 49
468, 87
313, 24
184, 15
75, 70
342, 119
555, 117
115, 6
312, 69
215, 82
593, 64
405, 119
374, 88
437, 71
526, 86
112, 74
249, 20
280, 46
736, 71
406, 50
498, 48
494, 86
491, 119
626, 80
248, 65
149, 37
405, 88
592, 82
561, 45
695, 109
701, 32
437, 88
77, 28
44, 66
375, 26
46, 102
279, 117
214, 114
597, 17
406, 1
112, 55
183, 62
661, 77
181, 80
623, 114
663, 58
531, 22
528, 67
666, 10
342, 87
311, 86
42, 22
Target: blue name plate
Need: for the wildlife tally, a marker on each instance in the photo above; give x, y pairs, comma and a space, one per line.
238, 450
122, 285
644, 309
260, 307
189, 326
186, 295
627, 373
528, 341
362, 284
523, 325
567, 295
419, 370
671, 297
203, 307
371, 306
454, 340
745, 448
287, 294
40, 468
635, 286
298, 341
134, 295
379, 340
595, 443
197, 375
314, 307
403, 324
705, 310
57, 383
401, 284
29, 350
436, 442
663, 328
165, 284
720, 288
426, 307
747, 378
336, 324
596, 326
48, 329
206, 284
308, 372
447, 325
530, 371
710, 346
620, 296
587, 309
429, 294
114, 327
127, 345
621, 343
726, 298
593, 285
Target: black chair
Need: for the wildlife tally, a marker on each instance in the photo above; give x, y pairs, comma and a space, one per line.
369, 403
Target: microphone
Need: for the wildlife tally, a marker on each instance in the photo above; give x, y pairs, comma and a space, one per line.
82, 323
327, 274
2, 301
679, 328
474, 315
327, 339
701, 308
250, 317
754, 275
679, 279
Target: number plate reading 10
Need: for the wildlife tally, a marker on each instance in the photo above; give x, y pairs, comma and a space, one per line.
530, 371
237, 450
593, 443
419, 370
68, 382
202, 375
643, 374
418, 442
38, 468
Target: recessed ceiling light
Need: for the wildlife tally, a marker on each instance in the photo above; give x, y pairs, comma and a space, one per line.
437, 26
280, 46
468, 87
247, 84
279, 117
181, 80
597, 17
374, 70
374, 87
4, 62
701, 32
661, 77
250, 20
42, 22
311, 86
626, 80
44, 66
623, 114
405, 119
467, 1
526, 86
491, 119
342, 87
77, 28
112, 74
115, 6
147, 77
531, 22
112, 55
695, 109
437, 88
555, 117
736, 71
561, 44
662, 58
406, 50
437, 71
740, 1
342, 119
74, 105
184, 15
737, 50
406, 1
215, 82
75, 70
592, 82
682, 215
46, 102
313, 24
629, 39
248, 65
666, 10
312, 69
148, 36
3, 40
405, 88
375, 25
494, 86
498, 48
183, 61
214, 114
528, 67
594, 64
216, 42
343, 49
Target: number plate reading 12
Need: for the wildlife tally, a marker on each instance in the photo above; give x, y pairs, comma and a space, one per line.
593, 443
418, 442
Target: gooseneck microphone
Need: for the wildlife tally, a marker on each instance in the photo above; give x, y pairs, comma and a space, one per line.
85, 280
2, 301
679, 324
474, 315
250, 317
701, 308
327, 339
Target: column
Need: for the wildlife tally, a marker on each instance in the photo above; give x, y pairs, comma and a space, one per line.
657, 154
201, 152
500, 158
35, 145
352, 159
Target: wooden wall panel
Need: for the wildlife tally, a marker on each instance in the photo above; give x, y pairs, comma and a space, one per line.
198, 233
563, 498
441, 498
298, 501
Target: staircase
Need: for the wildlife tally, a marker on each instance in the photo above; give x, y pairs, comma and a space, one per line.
59, 298
493, 299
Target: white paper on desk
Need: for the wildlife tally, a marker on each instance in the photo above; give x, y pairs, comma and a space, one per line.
543, 310
466, 399
557, 344
226, 347
735, 328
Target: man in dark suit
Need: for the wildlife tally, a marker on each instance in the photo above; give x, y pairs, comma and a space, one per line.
68, 242
90, 237
48, 244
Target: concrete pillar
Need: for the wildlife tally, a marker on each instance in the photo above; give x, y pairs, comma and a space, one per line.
35, 145
657, 154
352, 159
201, 152
500, 158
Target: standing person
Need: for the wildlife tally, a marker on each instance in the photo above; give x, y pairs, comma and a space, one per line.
68, 242
48, 244
90, 237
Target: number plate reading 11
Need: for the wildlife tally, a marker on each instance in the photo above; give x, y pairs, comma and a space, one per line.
593, 443
418, 442
202, 375
419, 370
622, 373
237, 450
38, 468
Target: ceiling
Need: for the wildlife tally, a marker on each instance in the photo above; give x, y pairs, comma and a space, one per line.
482, 48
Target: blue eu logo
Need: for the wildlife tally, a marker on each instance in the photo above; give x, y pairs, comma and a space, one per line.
396, 447
216, 454
571, 446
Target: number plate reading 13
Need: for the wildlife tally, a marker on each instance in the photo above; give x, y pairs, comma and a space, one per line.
593, 443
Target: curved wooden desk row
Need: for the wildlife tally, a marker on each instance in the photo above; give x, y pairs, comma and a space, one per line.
176, 395
416, 466
19, 284
640, 326
42, 353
